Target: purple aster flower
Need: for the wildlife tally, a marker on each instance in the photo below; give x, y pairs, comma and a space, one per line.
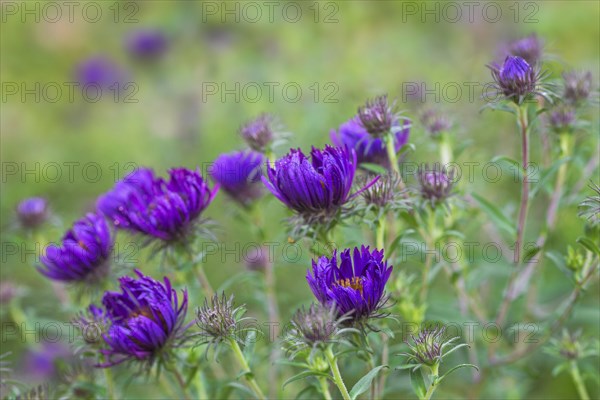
43, 364
147, 320
436, 184
529, 48
516, 80
355, 286
238, 173
84, 253
93, 324
100, 71
32, 212
368, 149
258, 133
165, 210
147, 44
316, 186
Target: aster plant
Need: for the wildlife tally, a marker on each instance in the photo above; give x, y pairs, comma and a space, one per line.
32, 212
517, 81
147, 44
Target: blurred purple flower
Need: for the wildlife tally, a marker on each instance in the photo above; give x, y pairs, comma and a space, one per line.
84, 253
42, 364
258, 133
32, 212
436, 184
238, 173
529, 48
147, 44
515, 79
369, 149
100, 71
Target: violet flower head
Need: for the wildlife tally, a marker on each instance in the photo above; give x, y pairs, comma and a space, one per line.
562, 119
32, 212
529, 48
238, 173
369, 149
164, 210
577, 87
319, 185
516, 80
355, 284
378, 117
147, 44
146, 320
435, 122
100, 71
83, 255
259, 133
435, 184
315, 326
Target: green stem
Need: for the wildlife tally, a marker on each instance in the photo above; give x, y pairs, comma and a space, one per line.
110, 389
445, 150
204, 282
578, 380
393, 158
434, 381
379, 233
246, 368
180, 382
324, 385
337, 377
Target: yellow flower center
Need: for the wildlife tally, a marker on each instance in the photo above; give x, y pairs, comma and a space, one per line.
355, 283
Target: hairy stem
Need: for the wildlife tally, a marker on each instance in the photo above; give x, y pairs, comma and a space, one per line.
337, 377
204, 282
379, 233
180, 382
249, 377
273, 311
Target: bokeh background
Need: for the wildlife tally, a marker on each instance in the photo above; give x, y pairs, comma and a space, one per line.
338, 54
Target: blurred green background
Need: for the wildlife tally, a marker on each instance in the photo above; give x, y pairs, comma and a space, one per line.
338, 53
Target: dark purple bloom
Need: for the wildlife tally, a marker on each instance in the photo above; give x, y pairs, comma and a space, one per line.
529, 48
355, 287
258, 133
32, 212
577, 87
84, 253
146, 317
515, 79
239, 174
100, 71
319, 185
147, 44
166, 210
368, 149
436, 184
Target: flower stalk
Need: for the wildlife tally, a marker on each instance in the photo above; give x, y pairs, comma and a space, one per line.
337, 376
578, 380
248, 376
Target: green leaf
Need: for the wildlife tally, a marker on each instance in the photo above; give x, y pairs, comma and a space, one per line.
377, 169
303, 375
513, 165
364, 383
546, 175
530, 253
249, 344
418, 384
588, 244
406, 366
456, 368
496, 215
